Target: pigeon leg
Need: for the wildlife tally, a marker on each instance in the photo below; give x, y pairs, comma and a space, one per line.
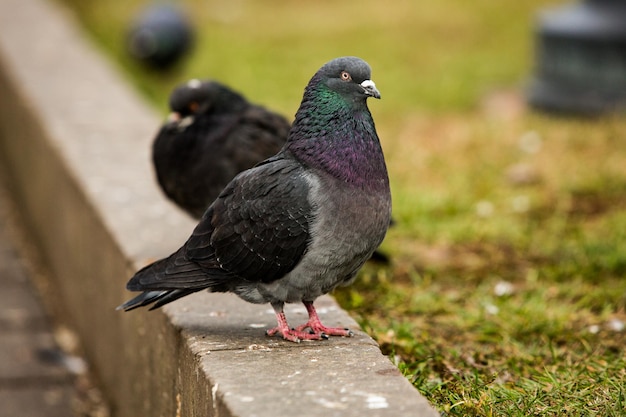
317, 327
288, 333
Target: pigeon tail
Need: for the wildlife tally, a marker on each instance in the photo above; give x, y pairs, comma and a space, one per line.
159, 298
167, 280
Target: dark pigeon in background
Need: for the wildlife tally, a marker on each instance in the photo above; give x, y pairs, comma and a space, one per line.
298, 224
213, 134
160, 36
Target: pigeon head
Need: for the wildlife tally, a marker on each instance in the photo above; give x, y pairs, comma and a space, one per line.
349, 77
341, 86
205, 97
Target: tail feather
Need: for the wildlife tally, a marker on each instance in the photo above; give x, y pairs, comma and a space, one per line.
171, 296
159, 298
143, 299
169, 279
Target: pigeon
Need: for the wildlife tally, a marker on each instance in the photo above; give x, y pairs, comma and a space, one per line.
298, 224
212, 134
160, 36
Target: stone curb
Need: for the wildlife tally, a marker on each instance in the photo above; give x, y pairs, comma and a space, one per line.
76, 140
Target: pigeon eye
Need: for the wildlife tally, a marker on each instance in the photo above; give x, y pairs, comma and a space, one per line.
345, 75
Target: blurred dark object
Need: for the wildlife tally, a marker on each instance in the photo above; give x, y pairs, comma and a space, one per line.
581, 59
160, 36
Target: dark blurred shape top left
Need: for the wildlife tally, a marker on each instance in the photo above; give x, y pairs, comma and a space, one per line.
160, 35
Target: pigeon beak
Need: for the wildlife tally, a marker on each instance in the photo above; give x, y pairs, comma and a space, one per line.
173, 117
370, 88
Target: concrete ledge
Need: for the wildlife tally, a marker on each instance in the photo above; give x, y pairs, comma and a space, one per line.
76, 141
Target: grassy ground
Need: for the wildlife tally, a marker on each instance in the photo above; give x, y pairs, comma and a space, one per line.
507, 293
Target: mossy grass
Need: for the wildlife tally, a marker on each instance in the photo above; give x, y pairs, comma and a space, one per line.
507, 291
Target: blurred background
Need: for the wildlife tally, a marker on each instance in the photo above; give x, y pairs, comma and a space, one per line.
506, 293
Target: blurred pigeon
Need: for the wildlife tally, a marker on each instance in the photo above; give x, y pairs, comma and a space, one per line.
298, 224
213, 133
160, 36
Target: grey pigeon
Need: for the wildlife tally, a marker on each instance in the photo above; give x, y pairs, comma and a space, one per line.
298, 224
213, 134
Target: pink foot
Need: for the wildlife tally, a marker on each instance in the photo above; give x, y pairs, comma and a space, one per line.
293, 335
317, 327
317, 330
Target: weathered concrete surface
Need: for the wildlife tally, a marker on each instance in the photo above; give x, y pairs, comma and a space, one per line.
30, 385
76, 142
36, 402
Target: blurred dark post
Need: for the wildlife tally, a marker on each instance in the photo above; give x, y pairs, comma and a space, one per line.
160, 35
581, 58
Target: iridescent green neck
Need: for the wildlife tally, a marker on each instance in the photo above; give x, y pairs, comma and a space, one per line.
339, 137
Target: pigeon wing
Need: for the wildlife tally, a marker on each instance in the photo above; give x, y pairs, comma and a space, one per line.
258, 228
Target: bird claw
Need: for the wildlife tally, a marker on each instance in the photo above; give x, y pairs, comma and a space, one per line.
316, 330
324, 332
297, 335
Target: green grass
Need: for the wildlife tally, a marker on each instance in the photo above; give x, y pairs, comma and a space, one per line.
550, 347
487, 195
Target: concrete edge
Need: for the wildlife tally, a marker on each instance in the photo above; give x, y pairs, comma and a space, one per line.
75, 140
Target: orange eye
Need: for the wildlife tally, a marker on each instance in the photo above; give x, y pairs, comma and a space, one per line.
346, 76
